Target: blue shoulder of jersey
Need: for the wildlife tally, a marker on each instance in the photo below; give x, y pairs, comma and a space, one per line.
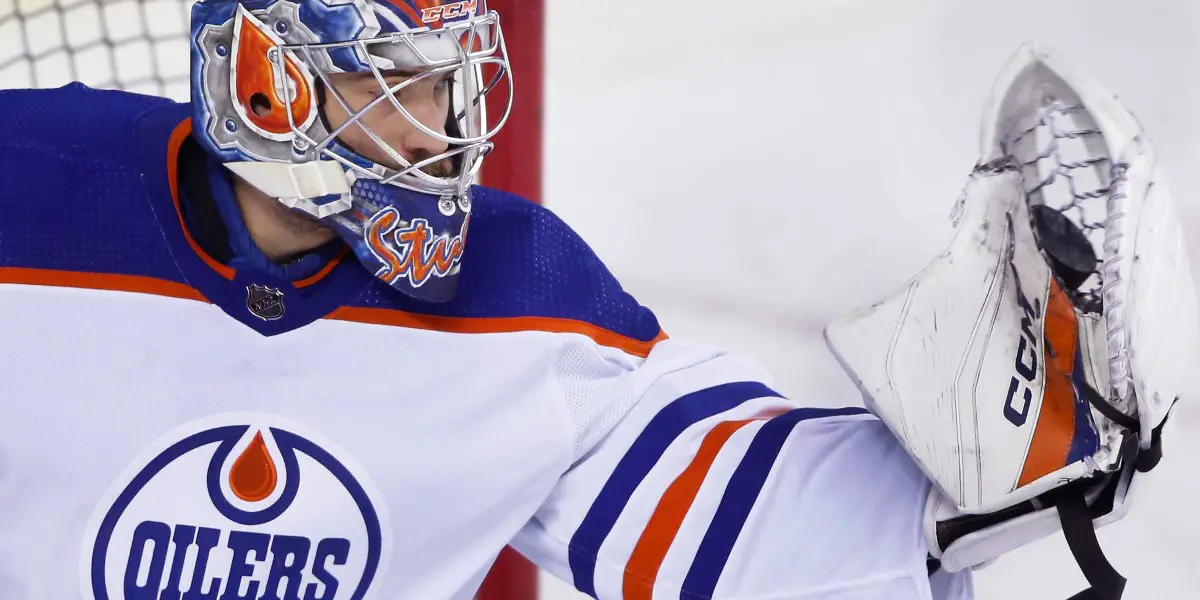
521, 260
87, 191
74, 195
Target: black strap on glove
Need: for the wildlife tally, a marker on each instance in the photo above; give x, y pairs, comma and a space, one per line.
1076, 519
1076, 516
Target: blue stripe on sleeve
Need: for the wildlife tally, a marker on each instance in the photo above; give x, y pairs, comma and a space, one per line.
740, 495
643, 454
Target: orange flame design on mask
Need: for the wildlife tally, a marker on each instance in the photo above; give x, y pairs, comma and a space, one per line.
256, 80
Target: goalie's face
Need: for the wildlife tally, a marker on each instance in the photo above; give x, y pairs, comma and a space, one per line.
378, 132
403, 102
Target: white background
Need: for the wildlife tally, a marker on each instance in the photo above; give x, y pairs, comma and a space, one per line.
751, 169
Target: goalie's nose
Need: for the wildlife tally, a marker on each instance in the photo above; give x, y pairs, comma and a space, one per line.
414, 143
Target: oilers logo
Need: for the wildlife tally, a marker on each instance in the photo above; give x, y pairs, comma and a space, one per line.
238, 507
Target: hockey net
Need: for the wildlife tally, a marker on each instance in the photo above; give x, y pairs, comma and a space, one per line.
142, 46
135, 45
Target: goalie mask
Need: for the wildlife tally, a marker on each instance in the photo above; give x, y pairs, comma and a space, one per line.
265, 79
1030, 368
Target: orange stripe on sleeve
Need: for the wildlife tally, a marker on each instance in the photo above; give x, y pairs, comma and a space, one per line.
647, 558
99, 281
604, 337
1055, 429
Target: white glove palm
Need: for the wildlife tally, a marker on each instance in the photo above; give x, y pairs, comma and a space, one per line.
1029, 367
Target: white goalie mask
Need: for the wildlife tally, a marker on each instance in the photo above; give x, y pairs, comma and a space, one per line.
1030, 367
263, 89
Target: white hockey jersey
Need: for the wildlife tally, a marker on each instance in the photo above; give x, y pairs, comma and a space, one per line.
174, 428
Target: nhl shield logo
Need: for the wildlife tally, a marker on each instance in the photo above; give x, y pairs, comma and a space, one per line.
238, 502
264, 302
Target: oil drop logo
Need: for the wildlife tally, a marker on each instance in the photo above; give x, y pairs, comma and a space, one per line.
237, 507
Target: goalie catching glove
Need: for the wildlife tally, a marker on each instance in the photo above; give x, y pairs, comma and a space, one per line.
1031, 367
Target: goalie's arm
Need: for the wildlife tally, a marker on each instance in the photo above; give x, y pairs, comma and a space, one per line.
712, 485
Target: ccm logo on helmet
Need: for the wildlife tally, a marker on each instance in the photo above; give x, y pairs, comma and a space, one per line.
434, 14
1026, 363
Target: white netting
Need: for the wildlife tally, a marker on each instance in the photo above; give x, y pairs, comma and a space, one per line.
136, 45
1066, 167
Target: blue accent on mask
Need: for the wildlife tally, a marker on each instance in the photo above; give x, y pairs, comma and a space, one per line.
403, 238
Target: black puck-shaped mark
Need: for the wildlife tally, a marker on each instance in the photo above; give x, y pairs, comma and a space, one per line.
1065, 245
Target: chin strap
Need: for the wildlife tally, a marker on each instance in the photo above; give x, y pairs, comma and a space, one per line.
311, 179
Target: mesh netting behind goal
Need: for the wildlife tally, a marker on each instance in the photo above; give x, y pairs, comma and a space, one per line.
136, 45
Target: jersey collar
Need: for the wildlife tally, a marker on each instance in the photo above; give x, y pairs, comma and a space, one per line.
268, 302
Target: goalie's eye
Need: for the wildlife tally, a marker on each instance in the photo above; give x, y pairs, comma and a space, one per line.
423, 88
